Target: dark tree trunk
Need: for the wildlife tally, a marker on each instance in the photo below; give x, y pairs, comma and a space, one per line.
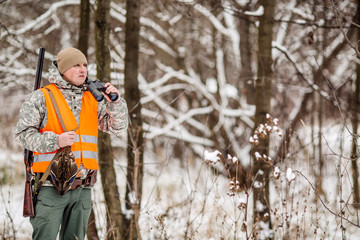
355, 122
246, 75
83, 42
91, 231
261, 170
135, 148
106, 159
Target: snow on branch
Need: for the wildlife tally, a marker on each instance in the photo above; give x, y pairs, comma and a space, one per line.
41, 20
182, 118
167, 76
159, 44
244, 114
156, 27
157, 100
283, 27
181, 134
259, 12
119, 13
213, 19
17, 71
163, 90
308, 16
193, 81
231, 32
166, 109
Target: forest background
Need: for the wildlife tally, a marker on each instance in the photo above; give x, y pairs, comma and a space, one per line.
243, 114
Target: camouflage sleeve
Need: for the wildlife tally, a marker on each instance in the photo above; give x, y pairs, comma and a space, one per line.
113, 117
32, 117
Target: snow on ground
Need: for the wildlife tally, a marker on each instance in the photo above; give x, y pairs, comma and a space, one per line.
12, 223
185, 198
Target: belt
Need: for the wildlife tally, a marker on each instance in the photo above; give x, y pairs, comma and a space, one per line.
88, 181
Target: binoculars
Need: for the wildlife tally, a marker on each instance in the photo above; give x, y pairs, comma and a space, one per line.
96, 87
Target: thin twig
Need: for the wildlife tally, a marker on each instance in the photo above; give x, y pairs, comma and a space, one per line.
324, 204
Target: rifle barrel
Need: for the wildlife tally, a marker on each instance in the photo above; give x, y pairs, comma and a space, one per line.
39, 68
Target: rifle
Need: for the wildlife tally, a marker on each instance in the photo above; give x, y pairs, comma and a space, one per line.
29, 203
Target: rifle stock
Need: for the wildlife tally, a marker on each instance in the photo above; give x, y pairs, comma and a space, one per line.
28, 210
29, 203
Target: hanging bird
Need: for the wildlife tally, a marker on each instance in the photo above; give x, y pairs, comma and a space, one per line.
64, 170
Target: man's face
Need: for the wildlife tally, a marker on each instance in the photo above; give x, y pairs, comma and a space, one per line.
76, 75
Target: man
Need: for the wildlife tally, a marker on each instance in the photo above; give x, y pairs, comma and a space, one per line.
39, 130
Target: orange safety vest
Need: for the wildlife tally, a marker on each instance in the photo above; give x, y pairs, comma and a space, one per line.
85, 145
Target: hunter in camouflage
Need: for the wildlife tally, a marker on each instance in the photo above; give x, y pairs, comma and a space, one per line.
66, 214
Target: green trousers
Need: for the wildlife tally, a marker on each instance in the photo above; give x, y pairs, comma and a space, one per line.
69, 213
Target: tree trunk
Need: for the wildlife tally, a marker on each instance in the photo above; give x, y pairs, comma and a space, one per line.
106, 159
354, 148
91, 231
261, 170
83, 42
135, 148
318, 104
355, 122
246, 75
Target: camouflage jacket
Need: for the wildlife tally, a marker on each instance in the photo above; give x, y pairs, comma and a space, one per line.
113, 117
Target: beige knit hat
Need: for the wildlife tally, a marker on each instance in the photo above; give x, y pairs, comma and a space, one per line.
68, 58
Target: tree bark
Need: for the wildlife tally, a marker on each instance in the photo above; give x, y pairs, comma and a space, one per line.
83, 42
135, 148
91, 231
261, 170
106, 159
355, 122
318, 102
246, 75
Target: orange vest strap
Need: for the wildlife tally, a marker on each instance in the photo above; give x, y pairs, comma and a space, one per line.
63, 113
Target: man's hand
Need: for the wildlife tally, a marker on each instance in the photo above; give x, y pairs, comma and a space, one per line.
66, 139
111, 89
